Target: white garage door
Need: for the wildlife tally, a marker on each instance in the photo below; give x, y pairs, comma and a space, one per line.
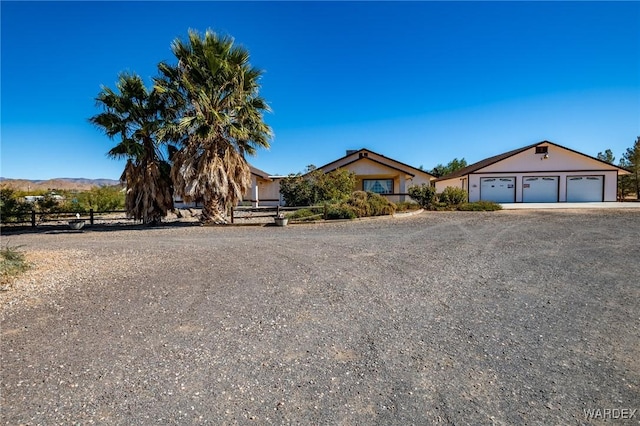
541, 189
584, 188
498, 189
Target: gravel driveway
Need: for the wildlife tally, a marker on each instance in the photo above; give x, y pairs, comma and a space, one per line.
512, 317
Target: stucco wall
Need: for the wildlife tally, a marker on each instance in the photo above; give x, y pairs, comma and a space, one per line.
455, 182
268, 192
419, 180
366, 167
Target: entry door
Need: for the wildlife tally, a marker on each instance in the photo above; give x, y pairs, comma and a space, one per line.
498, 189
585, 189
540, 189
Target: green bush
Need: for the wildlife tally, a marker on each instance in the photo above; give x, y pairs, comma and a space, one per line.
424, 195
480, 206
453, 196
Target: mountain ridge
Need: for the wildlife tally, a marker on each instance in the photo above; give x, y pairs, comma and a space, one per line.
56, 183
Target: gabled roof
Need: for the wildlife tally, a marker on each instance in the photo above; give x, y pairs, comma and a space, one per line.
492, 160
356, 154
259, 173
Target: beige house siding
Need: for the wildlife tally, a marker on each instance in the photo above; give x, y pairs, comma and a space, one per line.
558, 159
458, 182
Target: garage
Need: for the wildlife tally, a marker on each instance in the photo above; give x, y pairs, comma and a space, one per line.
543, 172
540, 189
498, 189
585, 189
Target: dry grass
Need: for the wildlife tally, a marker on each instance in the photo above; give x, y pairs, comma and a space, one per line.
12, 264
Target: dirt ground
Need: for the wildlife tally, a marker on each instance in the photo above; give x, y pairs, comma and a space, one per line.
510, 317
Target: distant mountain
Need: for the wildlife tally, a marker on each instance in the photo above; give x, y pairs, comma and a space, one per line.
80, 184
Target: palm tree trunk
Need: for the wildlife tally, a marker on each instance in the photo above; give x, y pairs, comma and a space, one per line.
214, 211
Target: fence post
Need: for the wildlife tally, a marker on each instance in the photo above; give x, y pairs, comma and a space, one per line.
91, 216
232, 215
33, 218
324, 213
278, 210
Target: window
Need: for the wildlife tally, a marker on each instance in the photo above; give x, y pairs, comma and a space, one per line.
379, 186
542, 149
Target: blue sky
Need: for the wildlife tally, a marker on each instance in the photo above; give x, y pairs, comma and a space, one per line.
420, 82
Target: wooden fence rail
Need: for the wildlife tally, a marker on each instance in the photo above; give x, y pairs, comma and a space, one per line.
32, 217
255, 212
271, 211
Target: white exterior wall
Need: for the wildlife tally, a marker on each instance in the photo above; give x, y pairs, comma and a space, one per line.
270, 193
610, 182
610, 186
267, 192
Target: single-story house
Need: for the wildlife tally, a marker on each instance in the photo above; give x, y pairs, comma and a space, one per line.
264, 191
544, 172
377, 173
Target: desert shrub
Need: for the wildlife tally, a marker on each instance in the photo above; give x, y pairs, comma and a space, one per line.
315, 187
102, 198
12, 264
305, 214
379, 205
425, 195
359, 203
12, 208
366, 204
480, 206
48, 206
453, 196
341, 211
405, 206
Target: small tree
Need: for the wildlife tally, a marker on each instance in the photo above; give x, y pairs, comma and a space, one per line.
315, 187
452, 166
607, 156
105, 198
12, 209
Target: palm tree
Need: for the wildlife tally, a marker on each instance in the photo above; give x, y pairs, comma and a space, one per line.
134, 115
217, 118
